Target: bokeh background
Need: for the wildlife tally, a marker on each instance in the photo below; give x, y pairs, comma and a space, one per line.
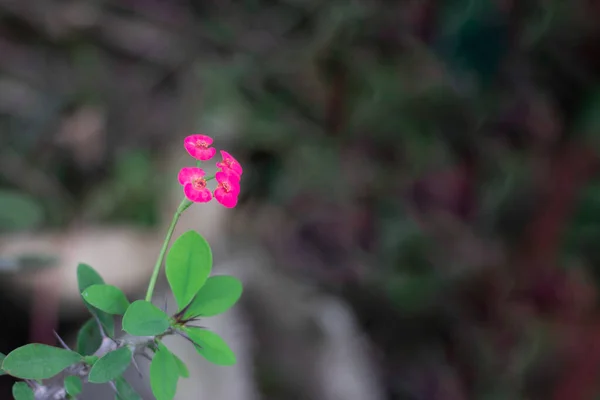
420, 208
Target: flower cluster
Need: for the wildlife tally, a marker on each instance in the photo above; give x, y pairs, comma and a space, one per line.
193, 179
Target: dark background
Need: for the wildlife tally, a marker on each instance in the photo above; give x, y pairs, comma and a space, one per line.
435, 162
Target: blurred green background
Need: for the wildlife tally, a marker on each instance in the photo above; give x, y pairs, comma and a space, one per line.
431, 163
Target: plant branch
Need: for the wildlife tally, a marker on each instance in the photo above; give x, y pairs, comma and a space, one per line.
53, 388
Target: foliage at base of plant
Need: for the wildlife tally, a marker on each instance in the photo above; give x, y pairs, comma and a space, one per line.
101, 356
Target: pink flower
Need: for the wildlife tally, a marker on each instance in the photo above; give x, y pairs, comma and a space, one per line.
194, 184
230, 163
198, 147
228, 189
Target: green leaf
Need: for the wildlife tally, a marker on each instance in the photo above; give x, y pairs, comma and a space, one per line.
143, 318
211, 346
2, 357
164, 374
90, 360
110, 366
38, 361
89, 338
218, 294
107, 298
183, 369
18, 211
73, 385
22, 391
188, 265
86, 277
125, 391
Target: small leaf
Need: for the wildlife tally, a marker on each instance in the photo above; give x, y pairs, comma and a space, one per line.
107, 298
22, 391
90, 360
89, 338
183, 369
125, 391
164, 374
2, 357
143, 318
211, 346
38, 361
86, 277
110, 366
188, 265
73, 385
218, 294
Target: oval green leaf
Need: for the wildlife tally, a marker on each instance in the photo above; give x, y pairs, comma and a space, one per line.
211, 346
22, 391
188, 265
86, 277
89, 338
38, 361
218, 294
125, 391
183, 369
143, 318
2, 357
110, 366
164, 374
107, 298
73, 385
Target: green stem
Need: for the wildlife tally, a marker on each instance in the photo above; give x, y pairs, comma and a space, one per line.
182, 207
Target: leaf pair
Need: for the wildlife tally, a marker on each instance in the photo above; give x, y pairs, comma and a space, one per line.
140, 318
188, 266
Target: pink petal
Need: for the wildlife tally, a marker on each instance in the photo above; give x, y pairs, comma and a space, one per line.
233, 163
195, 138
227, 175
200, 153
186, 174
207, 154
197, 196
228, 199
233, 176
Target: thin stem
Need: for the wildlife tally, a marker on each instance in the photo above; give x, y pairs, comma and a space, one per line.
100, 327
182, 207
62, 342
